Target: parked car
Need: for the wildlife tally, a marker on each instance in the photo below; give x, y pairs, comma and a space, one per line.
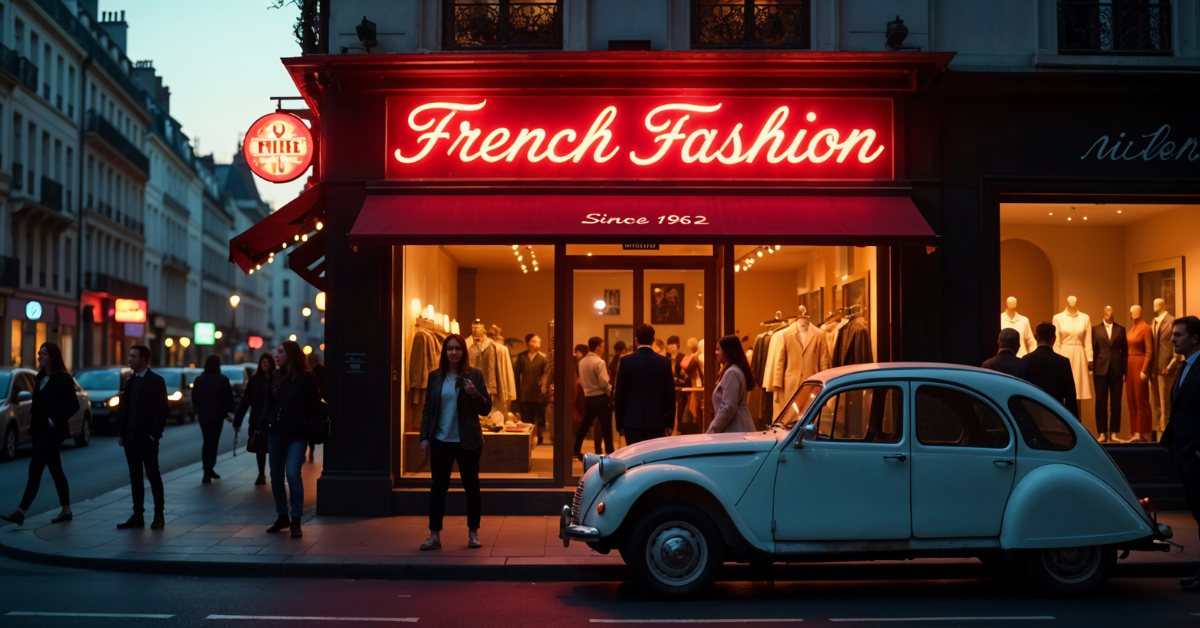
884, 461
103, 384
179, 394
237, 378
17, 385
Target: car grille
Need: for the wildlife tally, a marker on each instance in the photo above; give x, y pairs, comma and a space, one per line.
577, 503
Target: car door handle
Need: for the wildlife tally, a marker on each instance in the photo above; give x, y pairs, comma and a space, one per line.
1003, 461
900, 457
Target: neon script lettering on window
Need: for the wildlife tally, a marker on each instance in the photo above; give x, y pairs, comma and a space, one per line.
575, 137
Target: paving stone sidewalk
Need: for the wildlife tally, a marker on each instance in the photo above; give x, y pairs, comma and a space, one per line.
220, 529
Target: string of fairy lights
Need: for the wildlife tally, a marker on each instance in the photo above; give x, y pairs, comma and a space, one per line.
271, 254
747, 261
526, 264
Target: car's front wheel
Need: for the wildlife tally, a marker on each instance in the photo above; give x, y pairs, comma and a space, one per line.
1069, 570
85, 432
8, 449
674, 550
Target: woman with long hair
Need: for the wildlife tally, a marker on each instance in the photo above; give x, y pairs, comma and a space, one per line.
54, 403
450, 432
254, 399
293, 404
729, 398
212, 396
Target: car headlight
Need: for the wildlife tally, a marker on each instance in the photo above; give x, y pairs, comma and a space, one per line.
611, 468
114, 402
589, 461
175, 396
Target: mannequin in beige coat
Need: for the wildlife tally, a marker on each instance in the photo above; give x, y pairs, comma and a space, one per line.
804, 353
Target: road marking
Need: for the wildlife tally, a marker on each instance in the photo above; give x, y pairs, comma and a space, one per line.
1028, 618
696, 621
410, 620
122, 615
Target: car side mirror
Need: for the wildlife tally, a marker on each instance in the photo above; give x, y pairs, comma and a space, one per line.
24, 395
807, 432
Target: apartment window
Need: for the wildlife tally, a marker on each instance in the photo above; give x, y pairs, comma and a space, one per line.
19, 37
751, 24
502, 24
286, 286
287, 317
1122, 27
71, 91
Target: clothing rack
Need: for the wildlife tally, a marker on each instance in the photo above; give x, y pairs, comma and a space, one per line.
427, 323
778, 319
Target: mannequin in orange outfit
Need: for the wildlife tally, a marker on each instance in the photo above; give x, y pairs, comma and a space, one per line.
1137, 376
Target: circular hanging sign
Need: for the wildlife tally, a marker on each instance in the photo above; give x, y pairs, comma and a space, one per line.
278, 147
33, 310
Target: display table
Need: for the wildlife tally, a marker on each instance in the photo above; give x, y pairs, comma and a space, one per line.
503, 452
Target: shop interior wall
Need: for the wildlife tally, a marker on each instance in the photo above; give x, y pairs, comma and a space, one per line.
1169, 234
589, 287
693, 319
431, 275
519, 303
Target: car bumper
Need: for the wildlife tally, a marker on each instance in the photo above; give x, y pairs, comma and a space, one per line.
103, 418
568, 531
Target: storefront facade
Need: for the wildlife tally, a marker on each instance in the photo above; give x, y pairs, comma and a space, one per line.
578, 195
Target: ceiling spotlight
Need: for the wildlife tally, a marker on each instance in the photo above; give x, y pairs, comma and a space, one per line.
736, 268
760, 253
522, 267
320, 225
516, 246
777, 247
520, 258
1068, 218
1085, 217
1118, 211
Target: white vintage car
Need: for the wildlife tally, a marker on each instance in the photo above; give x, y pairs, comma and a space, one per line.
883, 461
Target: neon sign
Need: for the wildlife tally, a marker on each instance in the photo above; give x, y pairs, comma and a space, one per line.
638, 137
278, 147
129, 311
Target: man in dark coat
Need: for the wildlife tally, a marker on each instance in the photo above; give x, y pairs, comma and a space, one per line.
1006, 360
1182, 436
645, 395
212, 396
143, 415
1049, 371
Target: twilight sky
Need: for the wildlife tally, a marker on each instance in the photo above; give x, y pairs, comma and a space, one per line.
221, 60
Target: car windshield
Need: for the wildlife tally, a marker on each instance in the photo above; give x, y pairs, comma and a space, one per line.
235, 373
798, 406
107, 379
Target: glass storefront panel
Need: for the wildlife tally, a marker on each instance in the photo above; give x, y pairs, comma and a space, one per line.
674, 304
589, 250
602, 308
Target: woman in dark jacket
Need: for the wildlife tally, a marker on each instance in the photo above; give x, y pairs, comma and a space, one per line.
292, 405
212, 396
450, 431
54, 403
254, 399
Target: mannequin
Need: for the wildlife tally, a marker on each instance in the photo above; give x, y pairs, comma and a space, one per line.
485, 356
1137, 376
1163, 366
1073, 340
1009, 319
803, 352
1111, 352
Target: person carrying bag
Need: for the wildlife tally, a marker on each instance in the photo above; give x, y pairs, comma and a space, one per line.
254, 399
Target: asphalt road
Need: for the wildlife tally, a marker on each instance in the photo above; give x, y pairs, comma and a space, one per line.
100, 467
29, 592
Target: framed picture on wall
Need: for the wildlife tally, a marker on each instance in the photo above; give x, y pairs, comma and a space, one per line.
856, 291
666, 303
614, 334
612, 303
813, 303
1163, 279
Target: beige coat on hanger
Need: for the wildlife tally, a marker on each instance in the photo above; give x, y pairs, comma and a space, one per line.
799, 359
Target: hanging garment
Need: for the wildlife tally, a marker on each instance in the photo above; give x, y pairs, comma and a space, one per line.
1073, 341
853, 344
1021, 324
764, 410
833, 331
530, 374
803, 353
484, 357
773, 349
1137, 392
507, 379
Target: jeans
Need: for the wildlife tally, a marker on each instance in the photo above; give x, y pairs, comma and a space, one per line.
45, 455
597, 408
441, 463
141, 453
286, 456
211, 434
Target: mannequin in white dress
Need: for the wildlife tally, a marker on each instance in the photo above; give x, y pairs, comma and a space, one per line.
1009, 319
1073, 340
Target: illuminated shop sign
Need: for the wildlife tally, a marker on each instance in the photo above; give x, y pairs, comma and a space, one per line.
533, 137
129, 311
278, 147
33, 310
205, 333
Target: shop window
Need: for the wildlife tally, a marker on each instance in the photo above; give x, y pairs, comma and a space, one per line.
1122, 27
502, 24
953, 418
1040, 426
14, 355
867, 415
751, 24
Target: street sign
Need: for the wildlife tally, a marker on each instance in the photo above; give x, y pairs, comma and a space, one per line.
205, 333
278, 147
33, 310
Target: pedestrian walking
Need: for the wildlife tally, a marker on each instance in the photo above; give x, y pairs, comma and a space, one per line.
254, 399
731, 414
457, 396
1049, 371
212, 396
143, 410
597, 405
54, 403
293, 406
645, 391
1182, 435
1006, 360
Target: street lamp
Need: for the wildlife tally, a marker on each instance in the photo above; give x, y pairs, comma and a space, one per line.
416, 303
233, 302
306, 312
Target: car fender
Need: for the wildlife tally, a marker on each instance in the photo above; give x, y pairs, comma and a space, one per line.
620, 495
1059, 505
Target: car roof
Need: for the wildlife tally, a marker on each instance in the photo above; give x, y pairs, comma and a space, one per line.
100, 368
919, 370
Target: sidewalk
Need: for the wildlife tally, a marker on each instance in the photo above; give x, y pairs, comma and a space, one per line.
218, 529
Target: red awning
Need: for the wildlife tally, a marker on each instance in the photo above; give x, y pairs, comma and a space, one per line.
298, 217
814, 220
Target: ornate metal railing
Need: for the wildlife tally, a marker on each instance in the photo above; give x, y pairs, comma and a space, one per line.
95, 123
751, 24
1114, 27
52, 193
502, 25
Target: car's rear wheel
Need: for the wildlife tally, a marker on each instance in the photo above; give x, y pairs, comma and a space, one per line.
1069, 570
85, 432
674, 550
8, 449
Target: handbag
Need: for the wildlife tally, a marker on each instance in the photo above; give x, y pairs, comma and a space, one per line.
256, 441
319, 425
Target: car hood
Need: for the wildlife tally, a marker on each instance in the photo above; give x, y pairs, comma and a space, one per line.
696, 445
98, 394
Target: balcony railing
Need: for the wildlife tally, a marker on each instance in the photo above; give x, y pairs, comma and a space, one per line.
107, 284
10, 272
505, 25
720, 24
52, 193
28, 73
1114, 27
176, 204
10, 61
170, 259
95, 123
18, 176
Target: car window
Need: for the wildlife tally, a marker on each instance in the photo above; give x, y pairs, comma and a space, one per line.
235, 373
108, 379
1040, 427
870, 415
23, 382
799, 405
953, 418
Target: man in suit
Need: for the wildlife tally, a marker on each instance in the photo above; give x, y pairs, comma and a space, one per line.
1164, 366
143, 415
1049, 371
645, 396
1110, 350
1182, 436
1006, 360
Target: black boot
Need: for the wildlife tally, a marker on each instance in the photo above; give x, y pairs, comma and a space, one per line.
262, 479
14, 517
281, 522
135, 521
296, 533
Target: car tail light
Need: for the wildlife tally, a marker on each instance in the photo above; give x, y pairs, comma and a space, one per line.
1148, 506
